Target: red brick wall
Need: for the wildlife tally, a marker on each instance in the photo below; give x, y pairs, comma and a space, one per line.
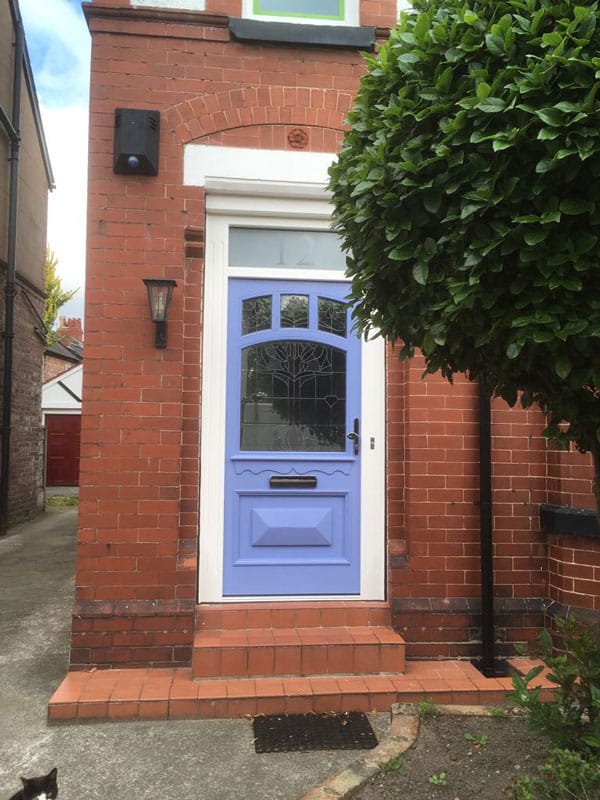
140, 428
136, 574
574, 571
433, 458
379, 13
569, 478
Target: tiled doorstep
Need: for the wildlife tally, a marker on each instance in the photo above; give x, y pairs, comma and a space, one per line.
172, 694
255, 653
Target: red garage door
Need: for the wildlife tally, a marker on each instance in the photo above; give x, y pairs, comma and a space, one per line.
63, 435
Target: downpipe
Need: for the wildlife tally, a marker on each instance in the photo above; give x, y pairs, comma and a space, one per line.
485, 516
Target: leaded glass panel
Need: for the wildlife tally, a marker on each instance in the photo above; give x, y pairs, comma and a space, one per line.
332, 316
293, 397
294, 311
256, 314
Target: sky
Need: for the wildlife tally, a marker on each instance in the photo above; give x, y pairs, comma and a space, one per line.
58, 43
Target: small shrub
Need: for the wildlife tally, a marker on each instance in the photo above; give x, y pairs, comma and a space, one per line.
438, 780
565, 776
427, 708
395, 764
571, 720
477, 741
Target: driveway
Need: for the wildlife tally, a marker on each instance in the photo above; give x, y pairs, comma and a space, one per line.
171, 760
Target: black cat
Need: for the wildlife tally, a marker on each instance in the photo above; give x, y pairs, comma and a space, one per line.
43, 788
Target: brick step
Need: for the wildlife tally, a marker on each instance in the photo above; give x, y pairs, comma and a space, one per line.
301, 614
297, 651
173, 694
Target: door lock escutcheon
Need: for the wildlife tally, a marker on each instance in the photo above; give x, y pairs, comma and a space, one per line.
354, 437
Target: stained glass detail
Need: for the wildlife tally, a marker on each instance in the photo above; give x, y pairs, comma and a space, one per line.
256, 314
294, 311
332, 316
293, 397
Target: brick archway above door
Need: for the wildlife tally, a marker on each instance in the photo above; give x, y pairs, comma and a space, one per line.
244, 107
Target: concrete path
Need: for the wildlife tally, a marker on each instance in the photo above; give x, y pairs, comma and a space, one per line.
170, 760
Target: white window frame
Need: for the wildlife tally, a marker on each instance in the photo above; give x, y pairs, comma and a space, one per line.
350, 16
180, 5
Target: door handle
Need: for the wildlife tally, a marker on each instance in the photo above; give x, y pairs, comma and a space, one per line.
354, 437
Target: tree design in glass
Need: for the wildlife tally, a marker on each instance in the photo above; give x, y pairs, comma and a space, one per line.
256, 314
294, 311
332, 316
293, 397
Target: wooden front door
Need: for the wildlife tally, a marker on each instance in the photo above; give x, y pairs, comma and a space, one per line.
63, 436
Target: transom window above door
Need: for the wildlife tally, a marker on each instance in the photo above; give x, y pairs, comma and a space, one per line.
286, 248
314, 12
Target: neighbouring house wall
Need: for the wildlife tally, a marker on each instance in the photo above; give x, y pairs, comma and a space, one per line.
6, 83
67, 351
33, 199
26, 441
54, 366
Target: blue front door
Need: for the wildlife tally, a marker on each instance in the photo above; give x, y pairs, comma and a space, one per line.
292, 474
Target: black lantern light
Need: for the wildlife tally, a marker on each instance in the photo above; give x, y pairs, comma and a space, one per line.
159, 297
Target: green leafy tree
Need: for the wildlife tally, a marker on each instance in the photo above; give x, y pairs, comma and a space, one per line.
468, 194
55, 296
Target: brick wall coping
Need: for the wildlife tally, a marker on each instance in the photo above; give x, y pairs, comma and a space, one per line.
137, 14
570, 521
461, 605
135, 608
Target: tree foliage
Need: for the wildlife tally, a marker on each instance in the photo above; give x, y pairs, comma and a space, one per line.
467, 192
55, 296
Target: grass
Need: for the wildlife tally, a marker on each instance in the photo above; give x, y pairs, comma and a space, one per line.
62, 500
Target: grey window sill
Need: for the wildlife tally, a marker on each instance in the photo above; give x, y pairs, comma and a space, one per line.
344, 36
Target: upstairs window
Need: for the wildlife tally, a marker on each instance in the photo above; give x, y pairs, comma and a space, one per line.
312, 12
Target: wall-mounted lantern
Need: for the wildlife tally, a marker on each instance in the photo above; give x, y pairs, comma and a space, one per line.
160, 291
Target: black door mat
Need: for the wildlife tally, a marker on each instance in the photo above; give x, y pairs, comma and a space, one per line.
283, 733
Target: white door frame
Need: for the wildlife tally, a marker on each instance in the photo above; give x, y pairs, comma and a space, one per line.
287, 204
